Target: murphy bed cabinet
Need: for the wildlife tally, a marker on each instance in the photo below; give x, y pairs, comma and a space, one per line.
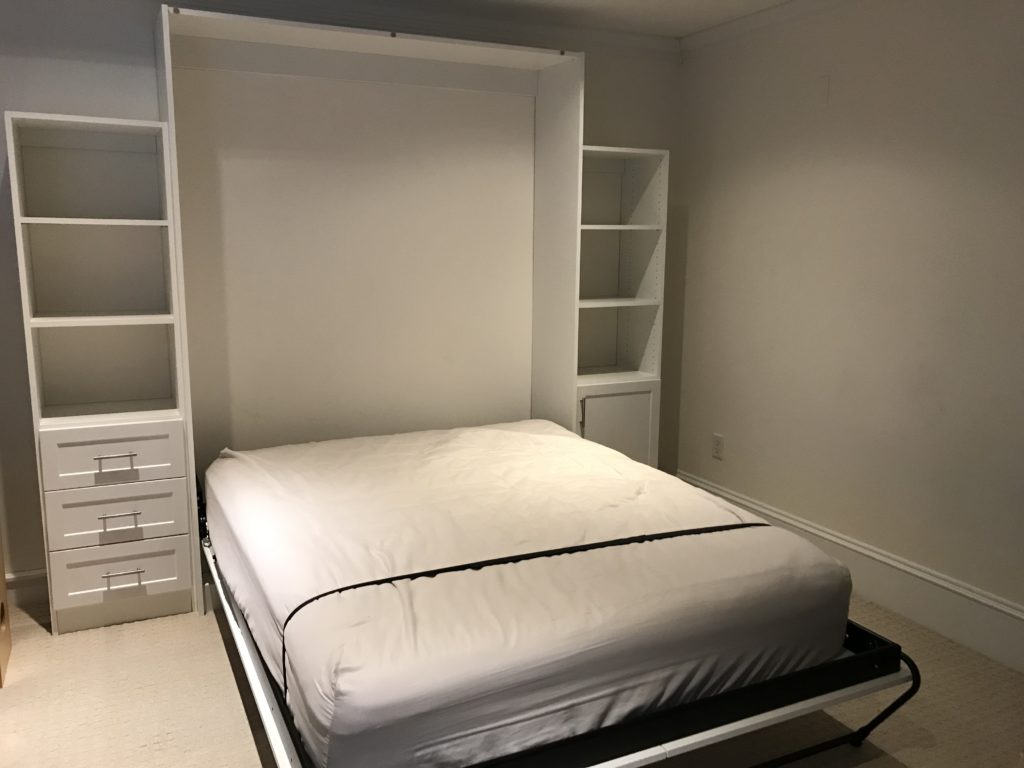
621, 291
99, 240
103, 331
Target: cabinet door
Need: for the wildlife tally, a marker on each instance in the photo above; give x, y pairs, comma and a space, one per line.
623, 422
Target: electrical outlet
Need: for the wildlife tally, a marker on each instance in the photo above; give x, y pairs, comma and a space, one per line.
717, 447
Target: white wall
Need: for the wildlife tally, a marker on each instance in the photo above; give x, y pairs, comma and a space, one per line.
319, 256
98, 58
855, 268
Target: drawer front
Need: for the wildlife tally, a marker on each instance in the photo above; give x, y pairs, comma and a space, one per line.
86, 517
130, 573
79, 457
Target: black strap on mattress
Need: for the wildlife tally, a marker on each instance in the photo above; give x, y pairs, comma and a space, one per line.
507, 560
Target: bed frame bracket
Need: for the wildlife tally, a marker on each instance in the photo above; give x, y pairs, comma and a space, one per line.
858, 737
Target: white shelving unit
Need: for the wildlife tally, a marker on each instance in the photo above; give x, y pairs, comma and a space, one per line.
99, 288
620, 227
621, 290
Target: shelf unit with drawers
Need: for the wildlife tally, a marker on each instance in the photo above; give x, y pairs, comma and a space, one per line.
621, 290
105, 336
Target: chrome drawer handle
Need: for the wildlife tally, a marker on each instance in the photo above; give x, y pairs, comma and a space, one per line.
136, 572
118, 514
130, 456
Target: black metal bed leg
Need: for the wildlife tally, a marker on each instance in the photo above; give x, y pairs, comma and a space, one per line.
915, 685
858, 737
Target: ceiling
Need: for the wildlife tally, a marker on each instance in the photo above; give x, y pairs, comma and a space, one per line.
670, 18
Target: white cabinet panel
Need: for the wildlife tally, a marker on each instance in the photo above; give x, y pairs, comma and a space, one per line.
77, 457
86, 517
120, 582
623, 421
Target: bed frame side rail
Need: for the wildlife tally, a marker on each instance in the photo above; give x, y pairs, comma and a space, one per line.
878, 665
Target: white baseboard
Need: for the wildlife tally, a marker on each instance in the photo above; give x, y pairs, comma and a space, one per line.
27, 587
980, 620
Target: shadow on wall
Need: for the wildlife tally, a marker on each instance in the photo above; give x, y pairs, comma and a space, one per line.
19, 495
672, 335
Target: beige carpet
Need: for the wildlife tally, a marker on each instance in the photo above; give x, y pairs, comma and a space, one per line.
162, 693
155, 693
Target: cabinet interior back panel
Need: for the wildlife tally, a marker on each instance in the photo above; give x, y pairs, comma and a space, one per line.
79, 174
89, 365
358, 256
97, 270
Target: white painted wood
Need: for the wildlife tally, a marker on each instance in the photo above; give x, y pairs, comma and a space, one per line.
618, 302
295, 34
83, 270
107, 574
597, 340
599, 264
588, 379
109, 413
641, 264
73, 172
100, 321
265, 58
620, 422
620, 334
73, 457
176, 279
623, 416
80, 222
645, 190
639, 339
556, 240
622, 227
24, 272
82, 365
87, 517
620, 153
621, 292
86, 122
986, 622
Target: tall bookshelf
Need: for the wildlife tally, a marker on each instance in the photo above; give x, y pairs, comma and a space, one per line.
103, 334
621, 292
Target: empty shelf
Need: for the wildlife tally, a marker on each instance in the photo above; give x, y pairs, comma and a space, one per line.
123, 412
91, 321
622, 153
622, 227
617, 302
587, 377
94, 222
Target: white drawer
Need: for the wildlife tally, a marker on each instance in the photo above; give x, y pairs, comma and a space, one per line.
86, 517
120, 582
77, 457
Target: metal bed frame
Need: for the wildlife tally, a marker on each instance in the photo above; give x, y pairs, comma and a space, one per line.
869, 664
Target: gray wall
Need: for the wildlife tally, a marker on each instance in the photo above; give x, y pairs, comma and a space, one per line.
97, 58
855, 268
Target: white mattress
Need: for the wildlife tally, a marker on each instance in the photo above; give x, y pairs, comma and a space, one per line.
464, 667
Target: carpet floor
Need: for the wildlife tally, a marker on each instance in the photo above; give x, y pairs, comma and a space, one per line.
163, 693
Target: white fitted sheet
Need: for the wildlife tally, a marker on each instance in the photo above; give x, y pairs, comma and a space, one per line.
464, 667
